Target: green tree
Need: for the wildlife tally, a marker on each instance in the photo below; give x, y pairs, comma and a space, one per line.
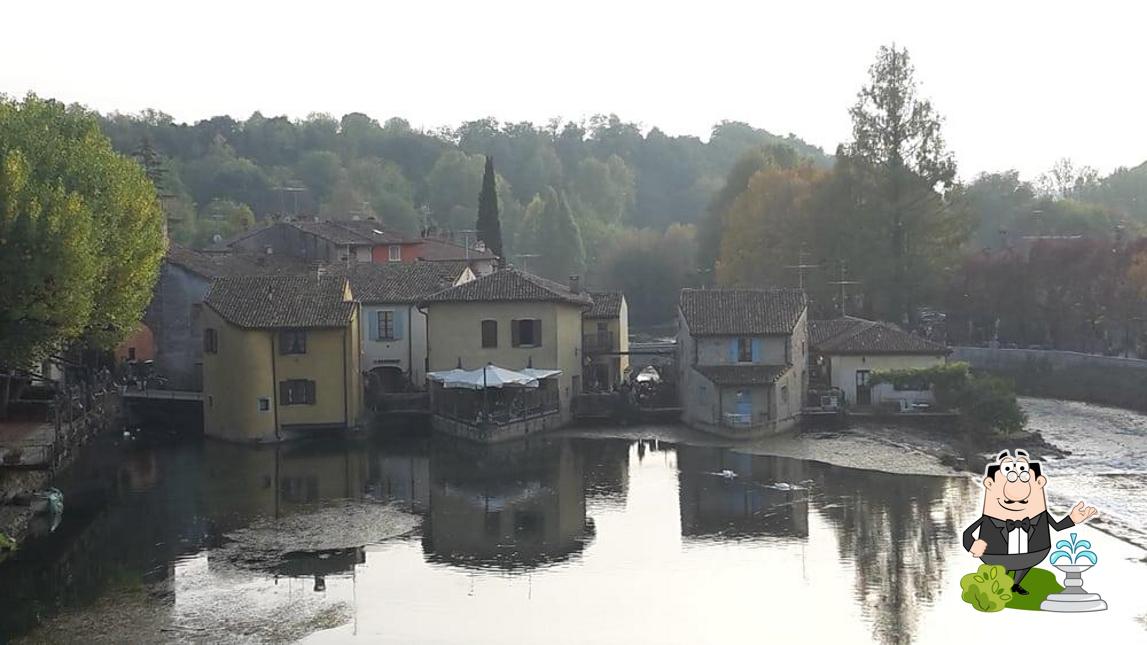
488, 226
454, 181
552, 233
320, 170
81, 233
905, 170
222, 219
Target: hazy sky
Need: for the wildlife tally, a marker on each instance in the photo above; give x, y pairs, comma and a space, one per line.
1021, 84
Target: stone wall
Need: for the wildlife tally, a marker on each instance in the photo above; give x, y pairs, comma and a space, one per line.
1110, 380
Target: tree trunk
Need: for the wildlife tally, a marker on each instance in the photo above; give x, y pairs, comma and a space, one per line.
5, 392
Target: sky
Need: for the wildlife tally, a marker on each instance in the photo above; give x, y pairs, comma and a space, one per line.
1020, 84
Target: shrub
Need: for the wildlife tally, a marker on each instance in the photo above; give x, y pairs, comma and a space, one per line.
986, 403
988, 589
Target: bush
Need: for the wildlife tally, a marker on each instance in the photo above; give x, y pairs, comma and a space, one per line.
988, 589
986, 403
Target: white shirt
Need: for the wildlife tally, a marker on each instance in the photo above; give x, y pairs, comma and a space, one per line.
1017, 541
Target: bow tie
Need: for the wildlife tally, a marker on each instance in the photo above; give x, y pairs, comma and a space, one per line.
1024, 524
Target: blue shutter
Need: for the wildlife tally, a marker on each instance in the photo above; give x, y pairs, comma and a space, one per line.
399, 323
758, 350
733, 350
373, 331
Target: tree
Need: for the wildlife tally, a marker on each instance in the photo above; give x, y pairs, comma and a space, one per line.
221, 219
489, 228
552, 233
81, 233
454, 180
897, 140
651, 268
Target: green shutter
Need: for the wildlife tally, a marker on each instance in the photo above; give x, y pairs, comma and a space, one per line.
538, 332
514, 336
284, 393
310, 392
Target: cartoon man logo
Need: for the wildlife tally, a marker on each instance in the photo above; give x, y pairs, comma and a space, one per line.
1014, 529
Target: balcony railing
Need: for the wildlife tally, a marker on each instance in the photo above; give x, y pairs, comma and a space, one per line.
601, 341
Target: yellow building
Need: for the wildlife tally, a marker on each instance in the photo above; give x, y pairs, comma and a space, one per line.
514, 320
280, 357
605, 339
846, 351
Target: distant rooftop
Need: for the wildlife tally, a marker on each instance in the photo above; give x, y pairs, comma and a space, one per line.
511, 285
742, 374
272, 302
849, 335
606, 304
397, 282
742, 312
233, 263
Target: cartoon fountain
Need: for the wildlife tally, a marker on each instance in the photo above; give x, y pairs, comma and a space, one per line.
1073, 558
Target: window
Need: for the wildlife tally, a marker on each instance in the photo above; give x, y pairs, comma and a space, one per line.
386, 325
526, 333
293, 341
744, 350
788, 351
394, 253
297, 392
210, 341
264, 404
131, 353
489, 333
784, 394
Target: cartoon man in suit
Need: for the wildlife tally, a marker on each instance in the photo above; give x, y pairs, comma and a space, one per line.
1014, 529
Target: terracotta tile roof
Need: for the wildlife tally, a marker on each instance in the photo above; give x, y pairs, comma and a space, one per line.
742, 312
269, 302
399, 282
511, 285
436, 250
219, 265
742, 374
606, 304
850, 335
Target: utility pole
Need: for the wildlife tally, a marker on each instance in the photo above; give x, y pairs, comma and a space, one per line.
800, 266
843, 284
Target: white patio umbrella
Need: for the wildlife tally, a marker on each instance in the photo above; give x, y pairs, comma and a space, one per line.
488, 376
540, 373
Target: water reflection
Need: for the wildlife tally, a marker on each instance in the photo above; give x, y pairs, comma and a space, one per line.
510, 506
726, 494
678, 524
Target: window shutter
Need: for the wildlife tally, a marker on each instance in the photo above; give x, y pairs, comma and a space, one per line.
399, 319
373, 325
514, 336
284, 393
758, 350
733, 350
538, 332
311, 392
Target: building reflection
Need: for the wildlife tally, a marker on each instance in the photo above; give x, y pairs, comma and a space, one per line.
727, 494
895, 530
514, 506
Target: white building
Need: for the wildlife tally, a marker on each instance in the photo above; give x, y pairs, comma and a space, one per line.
743, 358
393, 329
846, 351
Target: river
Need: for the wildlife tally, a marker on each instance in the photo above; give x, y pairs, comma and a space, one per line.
562, 539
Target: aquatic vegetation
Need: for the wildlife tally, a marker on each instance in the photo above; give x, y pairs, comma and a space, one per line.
7, 543
988, 589
1073, 551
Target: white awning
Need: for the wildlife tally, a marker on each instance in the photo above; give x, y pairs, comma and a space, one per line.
490, 376
540, 373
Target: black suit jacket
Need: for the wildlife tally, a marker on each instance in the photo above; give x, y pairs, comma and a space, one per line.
995, 533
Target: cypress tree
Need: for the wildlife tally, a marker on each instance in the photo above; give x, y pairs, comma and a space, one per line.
489, 228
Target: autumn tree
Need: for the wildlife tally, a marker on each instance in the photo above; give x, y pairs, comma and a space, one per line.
551, 233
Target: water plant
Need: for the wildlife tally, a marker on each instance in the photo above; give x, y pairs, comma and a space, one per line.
6, 542
988, 589
1074, 550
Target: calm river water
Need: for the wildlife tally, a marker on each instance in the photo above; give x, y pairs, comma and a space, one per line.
558, 540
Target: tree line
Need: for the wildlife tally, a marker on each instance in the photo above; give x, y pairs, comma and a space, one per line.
888, 232
572, 196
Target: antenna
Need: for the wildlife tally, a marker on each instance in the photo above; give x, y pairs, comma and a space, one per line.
800, 266
843, 284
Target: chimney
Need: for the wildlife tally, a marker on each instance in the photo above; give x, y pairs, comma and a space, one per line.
575, 284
